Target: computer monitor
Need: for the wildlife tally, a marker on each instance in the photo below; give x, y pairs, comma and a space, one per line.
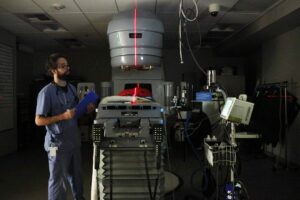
237, 111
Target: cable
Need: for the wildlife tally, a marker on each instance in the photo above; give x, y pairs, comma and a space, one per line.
191, 51
223, 91
97, 185
205, 179
185, 124
198, 27
195, 129
181, 13
179, 35
280, 129
184, 15
117, 6
156, 184
168, 153
202, 120
96, 167
244, 189
147, 175
217, 182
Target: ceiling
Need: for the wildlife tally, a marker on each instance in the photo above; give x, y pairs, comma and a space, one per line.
44, 24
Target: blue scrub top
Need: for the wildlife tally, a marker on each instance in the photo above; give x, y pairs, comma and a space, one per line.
53, 100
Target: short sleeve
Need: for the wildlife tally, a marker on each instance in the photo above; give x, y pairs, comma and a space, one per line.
74, 91
43, 104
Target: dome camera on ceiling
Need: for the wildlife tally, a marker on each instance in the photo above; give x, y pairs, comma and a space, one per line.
214, 9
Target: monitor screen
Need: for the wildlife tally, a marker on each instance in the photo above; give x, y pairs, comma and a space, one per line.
237, 111
227, 108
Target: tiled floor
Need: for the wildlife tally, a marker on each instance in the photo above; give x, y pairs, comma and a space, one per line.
23, 176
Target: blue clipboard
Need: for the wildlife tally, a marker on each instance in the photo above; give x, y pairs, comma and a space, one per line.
90, 97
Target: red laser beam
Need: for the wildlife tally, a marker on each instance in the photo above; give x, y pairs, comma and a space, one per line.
134, 96
135, 36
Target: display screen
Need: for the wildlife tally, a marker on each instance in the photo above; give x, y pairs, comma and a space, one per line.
135, 35
226, 109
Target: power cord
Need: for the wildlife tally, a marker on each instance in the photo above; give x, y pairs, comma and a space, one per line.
181, 14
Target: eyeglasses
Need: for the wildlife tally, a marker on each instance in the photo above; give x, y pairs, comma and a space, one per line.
63, 66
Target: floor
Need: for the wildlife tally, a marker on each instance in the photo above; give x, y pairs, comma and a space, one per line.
23, 175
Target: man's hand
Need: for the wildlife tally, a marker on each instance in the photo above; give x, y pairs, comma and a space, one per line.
90, 108
69, 114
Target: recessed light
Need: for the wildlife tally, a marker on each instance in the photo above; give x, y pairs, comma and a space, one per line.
58, 6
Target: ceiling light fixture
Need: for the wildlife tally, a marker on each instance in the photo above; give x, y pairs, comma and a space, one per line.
58, 6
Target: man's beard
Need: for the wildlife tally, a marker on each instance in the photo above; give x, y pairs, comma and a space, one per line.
64, 76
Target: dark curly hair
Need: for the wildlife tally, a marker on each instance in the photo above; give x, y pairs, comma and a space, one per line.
51, 62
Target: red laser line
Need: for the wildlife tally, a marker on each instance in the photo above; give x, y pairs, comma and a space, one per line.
135, 36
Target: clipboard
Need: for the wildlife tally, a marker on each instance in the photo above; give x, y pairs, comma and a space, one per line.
90, 97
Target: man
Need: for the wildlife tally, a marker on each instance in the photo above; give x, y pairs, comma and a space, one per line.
55, 110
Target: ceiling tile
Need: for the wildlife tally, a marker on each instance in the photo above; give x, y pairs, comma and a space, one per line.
253, 5
69, 18
20, 28
2, 10
99, 6
239, 18
20, 6
148, 5
99, 17
9, 18
170, 21
225, 5
79, 28
48, 6
74, 22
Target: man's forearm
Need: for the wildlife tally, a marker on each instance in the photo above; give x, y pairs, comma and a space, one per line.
43, 121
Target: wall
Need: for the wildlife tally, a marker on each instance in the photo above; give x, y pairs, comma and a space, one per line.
25, 116
206, 58
280, 62
253, 67
89, 66
8, 138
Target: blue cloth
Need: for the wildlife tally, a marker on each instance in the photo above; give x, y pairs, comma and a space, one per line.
65, 167
65, 135
51, 101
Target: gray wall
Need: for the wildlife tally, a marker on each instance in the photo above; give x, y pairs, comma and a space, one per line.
206, 59
8, 138
280, 62
25, 116
90, 66
24, 72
